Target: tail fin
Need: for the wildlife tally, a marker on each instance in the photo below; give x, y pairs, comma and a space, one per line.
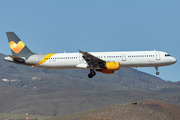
18, 48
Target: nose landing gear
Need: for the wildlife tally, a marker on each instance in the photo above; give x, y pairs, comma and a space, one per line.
92, 73
157, 73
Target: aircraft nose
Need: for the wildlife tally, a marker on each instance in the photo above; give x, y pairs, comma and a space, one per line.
174, 60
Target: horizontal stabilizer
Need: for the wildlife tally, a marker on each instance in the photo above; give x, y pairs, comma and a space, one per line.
17, 59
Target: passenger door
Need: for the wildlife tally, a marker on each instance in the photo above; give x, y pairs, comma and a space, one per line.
158, 56
123, 57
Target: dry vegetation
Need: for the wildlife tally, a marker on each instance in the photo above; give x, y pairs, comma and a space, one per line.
144, 110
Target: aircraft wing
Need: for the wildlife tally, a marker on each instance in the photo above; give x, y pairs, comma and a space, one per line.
91, 59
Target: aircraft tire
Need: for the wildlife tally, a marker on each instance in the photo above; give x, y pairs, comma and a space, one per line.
90, 75
157, 73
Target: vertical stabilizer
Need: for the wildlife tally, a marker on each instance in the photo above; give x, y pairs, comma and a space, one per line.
18, 48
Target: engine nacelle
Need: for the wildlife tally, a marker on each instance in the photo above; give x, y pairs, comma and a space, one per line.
112, 66
109, 67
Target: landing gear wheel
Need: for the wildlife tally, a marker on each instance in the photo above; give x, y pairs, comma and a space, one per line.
157, 73
91, 74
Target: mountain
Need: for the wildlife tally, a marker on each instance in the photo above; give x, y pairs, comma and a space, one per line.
58, 92
31, 76
143, 110
55, 102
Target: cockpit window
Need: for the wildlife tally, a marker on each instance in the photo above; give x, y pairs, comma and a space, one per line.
166, 55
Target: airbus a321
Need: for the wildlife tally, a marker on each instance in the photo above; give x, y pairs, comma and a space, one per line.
105, 62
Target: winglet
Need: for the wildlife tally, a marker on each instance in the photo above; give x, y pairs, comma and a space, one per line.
80, 51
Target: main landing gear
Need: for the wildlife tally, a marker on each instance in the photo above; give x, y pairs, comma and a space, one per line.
157, 73
92, 73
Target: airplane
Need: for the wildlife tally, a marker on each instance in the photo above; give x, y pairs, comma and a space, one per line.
105, 62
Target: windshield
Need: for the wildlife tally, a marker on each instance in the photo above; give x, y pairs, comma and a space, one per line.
166, 55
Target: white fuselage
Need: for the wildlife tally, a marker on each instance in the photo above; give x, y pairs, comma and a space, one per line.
105, 62
126, 59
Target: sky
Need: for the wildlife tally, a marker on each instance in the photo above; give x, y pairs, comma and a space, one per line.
50, 26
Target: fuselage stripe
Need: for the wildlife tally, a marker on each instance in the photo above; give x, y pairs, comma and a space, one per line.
45, 58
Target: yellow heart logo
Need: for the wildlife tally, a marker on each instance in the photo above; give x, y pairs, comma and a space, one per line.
16, 47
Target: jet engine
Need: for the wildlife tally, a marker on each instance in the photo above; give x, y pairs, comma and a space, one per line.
109, 67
